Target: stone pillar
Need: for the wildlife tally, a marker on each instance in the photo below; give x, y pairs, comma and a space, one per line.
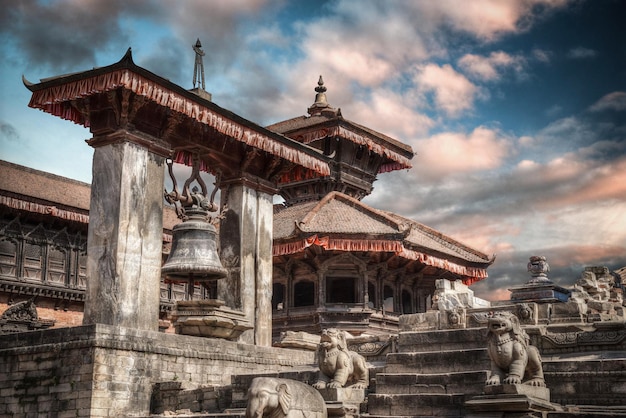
125, 234
246, 251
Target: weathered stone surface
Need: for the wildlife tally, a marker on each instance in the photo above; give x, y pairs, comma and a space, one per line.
246, 251
530, 391
110, 370
510, 403
125, 237
338, 365
513, 359
278, 398
347, 395
303, 340
209, 318
431, 362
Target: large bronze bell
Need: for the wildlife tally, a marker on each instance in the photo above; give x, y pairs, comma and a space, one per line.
194, 257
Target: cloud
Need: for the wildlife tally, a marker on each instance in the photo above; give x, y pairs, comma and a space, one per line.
487, 19
8, 132
613, 101
41, 30
581, 53
542, 55
452, 92
103, 27
452, 153
392, 114
490, 68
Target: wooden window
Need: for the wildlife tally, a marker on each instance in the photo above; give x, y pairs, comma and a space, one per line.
407, 304
340, 290
56, 267
32, 261
371, 294
8, 258
388, 305
278, 296
304, 293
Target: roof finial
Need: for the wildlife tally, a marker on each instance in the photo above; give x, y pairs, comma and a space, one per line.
198, 70
320, 99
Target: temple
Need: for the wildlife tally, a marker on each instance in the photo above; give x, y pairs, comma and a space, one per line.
334, 307
340, 263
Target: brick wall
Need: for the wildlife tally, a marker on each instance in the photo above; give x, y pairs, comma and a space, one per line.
104, 371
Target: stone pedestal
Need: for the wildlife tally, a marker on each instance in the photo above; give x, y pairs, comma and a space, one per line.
545, 292
208, 318
502, 399
343, 402
125, 234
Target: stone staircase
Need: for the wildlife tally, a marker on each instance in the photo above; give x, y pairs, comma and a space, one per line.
432, 374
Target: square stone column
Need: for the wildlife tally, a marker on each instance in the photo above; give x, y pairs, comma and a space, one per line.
125, 236
246, 251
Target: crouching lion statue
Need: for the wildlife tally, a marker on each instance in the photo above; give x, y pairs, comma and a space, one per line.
513, 359
338, 365
284, 398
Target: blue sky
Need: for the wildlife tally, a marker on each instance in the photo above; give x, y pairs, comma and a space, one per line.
516, 109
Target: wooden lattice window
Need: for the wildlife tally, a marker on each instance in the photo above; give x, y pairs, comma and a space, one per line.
33, 255
57, 266
8, 258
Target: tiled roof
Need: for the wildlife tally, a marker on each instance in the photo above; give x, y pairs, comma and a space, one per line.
44, 186
336, 213
422, 236
341, 215
53, 190
302, 122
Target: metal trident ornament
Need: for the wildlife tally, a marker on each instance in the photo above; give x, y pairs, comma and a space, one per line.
193, 198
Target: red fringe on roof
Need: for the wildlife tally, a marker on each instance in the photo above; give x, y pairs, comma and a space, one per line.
54, 100
400, 161
68, 215
472, 274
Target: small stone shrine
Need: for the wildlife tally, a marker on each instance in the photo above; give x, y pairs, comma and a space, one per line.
539, 288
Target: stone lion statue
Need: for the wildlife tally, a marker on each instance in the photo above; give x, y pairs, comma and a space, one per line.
513, 359
338, 365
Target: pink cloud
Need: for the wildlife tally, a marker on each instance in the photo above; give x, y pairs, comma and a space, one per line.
452, 152
488, 19
490, 68
453, 93
392, 114
612, 101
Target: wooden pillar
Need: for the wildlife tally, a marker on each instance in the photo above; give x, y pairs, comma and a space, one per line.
246, 251
125, 234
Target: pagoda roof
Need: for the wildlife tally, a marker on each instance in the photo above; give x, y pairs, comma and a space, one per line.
307, 129
326, 121
342, 223
60, 95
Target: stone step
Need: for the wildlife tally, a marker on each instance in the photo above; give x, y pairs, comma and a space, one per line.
416, 405
437, 362
238, 413
441, 340
402, 384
